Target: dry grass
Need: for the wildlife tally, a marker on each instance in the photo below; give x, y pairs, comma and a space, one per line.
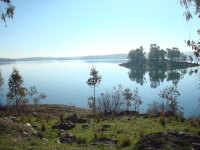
8, 113
15, 113
125, 142
98, 118
95, 134
141, 133
162, 118
101, 135
61, 116
29, 119
103, 114
59, 133
43, 126
149, 112
124, 113
113, 115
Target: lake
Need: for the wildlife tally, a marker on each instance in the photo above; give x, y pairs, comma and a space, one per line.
64, 82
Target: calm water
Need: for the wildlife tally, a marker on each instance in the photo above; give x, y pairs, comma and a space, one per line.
64, 82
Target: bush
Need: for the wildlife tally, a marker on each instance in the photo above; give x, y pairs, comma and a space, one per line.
61, 116
29, 119
80, 140
95, 134
40, 135
59, 133
126, 142
43, 126
162, 118
141, 134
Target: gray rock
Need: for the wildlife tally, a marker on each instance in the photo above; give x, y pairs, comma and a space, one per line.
158, 140
106, 126
72, 118
86, 125
67, 138
65, 125
14, 119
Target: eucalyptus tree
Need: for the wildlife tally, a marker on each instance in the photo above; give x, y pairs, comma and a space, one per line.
136, 99
9, 11
190, 58
16, 91
137, 55
128, 96
1, 84
192, 8
93, 81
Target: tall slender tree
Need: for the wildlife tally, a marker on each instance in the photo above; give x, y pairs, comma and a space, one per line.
93, 81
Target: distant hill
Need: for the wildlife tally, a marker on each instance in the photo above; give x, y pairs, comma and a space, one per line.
7, 60
111, 56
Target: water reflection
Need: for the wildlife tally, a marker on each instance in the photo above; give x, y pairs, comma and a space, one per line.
156, 77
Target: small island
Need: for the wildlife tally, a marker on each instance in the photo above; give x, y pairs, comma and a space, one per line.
157, 59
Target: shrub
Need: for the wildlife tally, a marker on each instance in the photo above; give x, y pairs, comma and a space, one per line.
95, 134
162, 118
43, 126
49, 116
149, 112
59, 133
80, 140
98, 118
125, 142
124, 113
103, 115
101, 135
113, 115
40, 135
29, 119
141, 134
8, 113
15, 113
61, 116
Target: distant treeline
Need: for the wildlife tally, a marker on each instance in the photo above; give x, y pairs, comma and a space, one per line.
111, 56
7, 60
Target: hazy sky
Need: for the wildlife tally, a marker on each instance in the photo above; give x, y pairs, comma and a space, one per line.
62, 28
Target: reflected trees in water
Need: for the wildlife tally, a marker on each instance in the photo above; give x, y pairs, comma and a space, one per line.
156, 77
137, 75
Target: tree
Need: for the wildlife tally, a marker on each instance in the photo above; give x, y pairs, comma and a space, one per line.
9, 10
173, 54
137, 55
190, 58
93, 82
1, 84
128, 96
36, 99
136, 99
183, 57
189, 15
16, 92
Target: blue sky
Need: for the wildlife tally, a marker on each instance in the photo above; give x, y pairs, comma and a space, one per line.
64, 28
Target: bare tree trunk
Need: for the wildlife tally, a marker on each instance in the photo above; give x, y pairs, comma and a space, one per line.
94, 107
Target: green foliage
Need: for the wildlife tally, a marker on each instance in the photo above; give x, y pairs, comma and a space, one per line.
9, 10
16, 93
80, 140
137, 56
93, 82
40, 135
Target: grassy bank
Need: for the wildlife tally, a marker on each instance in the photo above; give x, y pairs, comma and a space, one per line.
127, 129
